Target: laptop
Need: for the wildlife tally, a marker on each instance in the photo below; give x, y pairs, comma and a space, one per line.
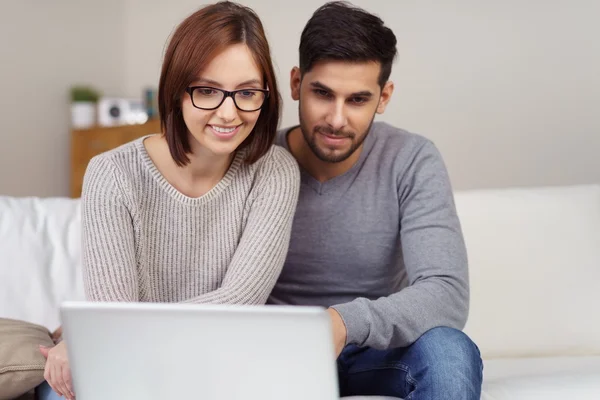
154, 351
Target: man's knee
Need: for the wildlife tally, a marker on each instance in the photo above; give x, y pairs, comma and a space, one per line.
450, 353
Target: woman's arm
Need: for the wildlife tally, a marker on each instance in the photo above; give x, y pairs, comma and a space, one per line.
262, 249
109, 266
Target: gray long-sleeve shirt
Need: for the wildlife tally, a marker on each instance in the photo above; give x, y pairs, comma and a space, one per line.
381, 243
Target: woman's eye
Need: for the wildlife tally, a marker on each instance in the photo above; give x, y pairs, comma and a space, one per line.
247, 93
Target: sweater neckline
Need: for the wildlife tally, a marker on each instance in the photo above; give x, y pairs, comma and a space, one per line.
322, 188
214, 192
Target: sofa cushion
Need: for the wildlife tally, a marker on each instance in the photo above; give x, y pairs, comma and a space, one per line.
534, 264
40, 244
542, 378
21, 363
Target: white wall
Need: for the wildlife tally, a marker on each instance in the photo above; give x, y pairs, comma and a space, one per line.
507, 90
45, 46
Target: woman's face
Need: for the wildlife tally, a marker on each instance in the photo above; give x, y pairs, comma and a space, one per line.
223, 129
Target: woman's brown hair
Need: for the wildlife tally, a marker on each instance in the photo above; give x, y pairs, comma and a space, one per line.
195, 42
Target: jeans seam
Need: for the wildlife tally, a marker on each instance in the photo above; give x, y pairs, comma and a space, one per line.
412, 382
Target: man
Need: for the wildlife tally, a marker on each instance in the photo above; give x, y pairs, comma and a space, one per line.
376, 237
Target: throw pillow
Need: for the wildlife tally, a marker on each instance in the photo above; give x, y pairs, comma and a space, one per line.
21, 363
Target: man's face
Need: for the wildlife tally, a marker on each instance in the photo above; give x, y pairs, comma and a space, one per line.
338, 102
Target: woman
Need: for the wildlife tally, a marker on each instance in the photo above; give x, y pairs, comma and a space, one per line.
202, 213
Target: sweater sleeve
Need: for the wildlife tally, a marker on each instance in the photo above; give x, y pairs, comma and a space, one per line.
261, 252
109, 266
435, 259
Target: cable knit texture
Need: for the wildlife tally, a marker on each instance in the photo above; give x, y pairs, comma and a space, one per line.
145, 241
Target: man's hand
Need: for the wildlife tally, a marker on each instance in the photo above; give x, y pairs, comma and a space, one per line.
57, 372
339, 331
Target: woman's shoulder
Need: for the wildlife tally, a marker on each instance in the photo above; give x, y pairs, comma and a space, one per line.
279, 161
276, 170
277, 167
127, 156
117, 165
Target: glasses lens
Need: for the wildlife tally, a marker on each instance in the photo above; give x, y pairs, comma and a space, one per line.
250, 100
205, 97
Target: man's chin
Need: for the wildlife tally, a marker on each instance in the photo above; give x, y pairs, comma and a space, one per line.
332, 157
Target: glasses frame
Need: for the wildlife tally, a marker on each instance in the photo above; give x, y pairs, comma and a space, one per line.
226, 93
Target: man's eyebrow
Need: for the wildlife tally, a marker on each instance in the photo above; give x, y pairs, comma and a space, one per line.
364, 93
319, 85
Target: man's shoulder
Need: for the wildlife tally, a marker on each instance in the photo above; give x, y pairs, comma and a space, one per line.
281, 137
397, 146
394, 138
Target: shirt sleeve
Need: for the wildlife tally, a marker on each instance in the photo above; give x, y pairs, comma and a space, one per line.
435, 259
109, 263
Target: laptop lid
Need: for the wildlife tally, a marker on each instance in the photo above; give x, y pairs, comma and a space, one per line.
163, 351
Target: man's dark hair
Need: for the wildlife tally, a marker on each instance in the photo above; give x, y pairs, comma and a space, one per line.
341, 31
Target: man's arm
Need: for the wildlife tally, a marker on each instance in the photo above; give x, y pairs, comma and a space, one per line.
435, 259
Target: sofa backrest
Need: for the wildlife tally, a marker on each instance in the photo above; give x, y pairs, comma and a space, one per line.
39, 258
534, 258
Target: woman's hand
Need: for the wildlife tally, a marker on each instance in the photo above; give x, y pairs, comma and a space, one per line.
57, 335
57, 372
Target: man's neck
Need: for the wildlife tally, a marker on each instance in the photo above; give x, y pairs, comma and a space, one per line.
320, 170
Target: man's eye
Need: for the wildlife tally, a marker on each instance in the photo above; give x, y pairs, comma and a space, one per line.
359, 100
321, 92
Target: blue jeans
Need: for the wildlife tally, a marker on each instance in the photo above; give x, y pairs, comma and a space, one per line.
443, 364
45, 392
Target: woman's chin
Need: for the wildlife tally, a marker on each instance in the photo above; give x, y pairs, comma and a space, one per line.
220, 149
211, 145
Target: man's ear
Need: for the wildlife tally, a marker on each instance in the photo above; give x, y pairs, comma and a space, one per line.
295, 80
386, 96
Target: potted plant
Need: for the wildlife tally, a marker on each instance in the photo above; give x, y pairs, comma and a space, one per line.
83, 106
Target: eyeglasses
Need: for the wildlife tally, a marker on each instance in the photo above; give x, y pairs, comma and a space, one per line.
210, 98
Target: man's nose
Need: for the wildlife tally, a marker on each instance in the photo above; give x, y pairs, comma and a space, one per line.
337, 117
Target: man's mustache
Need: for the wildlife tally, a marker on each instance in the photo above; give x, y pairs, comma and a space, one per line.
332, 132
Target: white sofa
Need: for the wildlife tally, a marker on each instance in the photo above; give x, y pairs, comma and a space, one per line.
534, 269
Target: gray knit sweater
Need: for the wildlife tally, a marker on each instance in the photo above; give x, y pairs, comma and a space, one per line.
381, 243
145, 241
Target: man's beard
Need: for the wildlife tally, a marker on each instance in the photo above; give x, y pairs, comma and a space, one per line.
310, 138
